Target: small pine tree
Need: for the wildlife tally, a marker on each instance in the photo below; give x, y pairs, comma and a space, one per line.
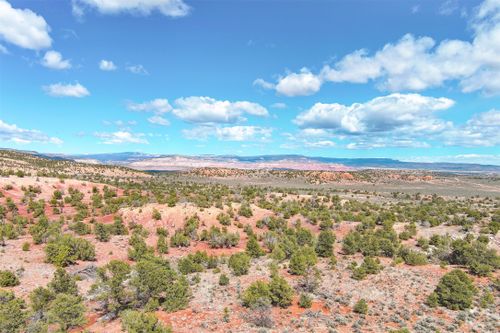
162, 245
63, 283
455, 290
67, 311
253, 248
102, 232
324, 247
361, 307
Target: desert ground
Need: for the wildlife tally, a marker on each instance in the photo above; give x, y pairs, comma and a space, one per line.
335, 251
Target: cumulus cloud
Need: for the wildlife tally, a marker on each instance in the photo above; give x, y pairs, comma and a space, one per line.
299, 84
137, 69
381, 114
23, 27
198, 109
396, 121
172, 8
159, 120
416, 63
13, 133
54, 60
120, 137
481, 130
158, 106
66, 90
229, 133
243, 133
107, 65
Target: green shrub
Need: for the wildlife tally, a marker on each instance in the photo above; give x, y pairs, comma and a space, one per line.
156, 214
224, 219
66, 250
413, 258
239, 263
142, 322
26, 246
102, 232
455, 290
305, 301
179, 239
301, 260
223, 280
256, 293
161, 244
110, 286
324, 247
118, 228
40, 298
12, 313
253, 248
8, 279
218, 238
63, 283
476, 255
80, 228
138, 248
361, 307
281, 292
245, 210
67, 311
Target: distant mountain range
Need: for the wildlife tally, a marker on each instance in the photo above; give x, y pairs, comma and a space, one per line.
165, 162
158, 162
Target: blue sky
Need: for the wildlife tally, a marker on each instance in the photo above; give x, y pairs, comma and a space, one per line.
413, 80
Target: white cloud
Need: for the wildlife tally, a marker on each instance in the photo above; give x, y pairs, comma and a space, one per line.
417, 63
23, 27
386, 142
320, 144
54, 60
381, 114
264, 84
314, 133
230, 133
107, 65
448, 7
159, 120
172, 8
199, 133
66, 90
299, 84
158, 106
481, 130
121, 137
198, 109
137, 69
11, 132
243, 133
